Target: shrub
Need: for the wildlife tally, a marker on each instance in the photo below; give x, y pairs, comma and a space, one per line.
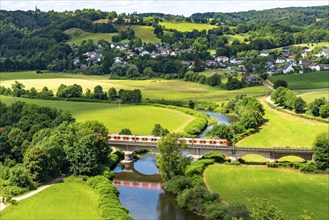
197, 167
272, 164
308, 168
216, 156
108, 202
178, 184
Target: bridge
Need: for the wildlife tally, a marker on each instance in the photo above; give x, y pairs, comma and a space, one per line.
233, 152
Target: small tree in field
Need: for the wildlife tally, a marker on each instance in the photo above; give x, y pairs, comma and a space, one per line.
299, 105
321, 151
125, 131
279, 83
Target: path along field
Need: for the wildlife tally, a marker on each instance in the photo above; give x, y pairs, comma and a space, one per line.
153, 89
313, 80
140, 119
284, 130
290, 191
67, 200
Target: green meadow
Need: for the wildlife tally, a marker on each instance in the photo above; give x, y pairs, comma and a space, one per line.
186, 27
146, 34
313, 80
284, 130
290, 191
67, 200
311, 94
95, 37
140, 119
153, 88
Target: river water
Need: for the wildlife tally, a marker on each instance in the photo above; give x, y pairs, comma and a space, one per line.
221, 119
141, 192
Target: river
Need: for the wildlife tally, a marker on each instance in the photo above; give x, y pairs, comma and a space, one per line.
141, 192
221, 119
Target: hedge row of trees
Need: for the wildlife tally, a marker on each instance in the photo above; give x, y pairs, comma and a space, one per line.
286, 98
74, 91
249, 112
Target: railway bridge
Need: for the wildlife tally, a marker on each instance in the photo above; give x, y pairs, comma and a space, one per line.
233, 152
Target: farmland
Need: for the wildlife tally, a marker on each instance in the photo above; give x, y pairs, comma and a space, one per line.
310, 95
153, 89
146, 34
314, 80
139, 119
284, 130
290, 191
67, 200
185, 26
95, 37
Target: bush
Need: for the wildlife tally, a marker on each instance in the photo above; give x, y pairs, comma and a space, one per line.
178, 184
196, 126
198, 167
12, 191
308, 168
108, 202
141, 151
196, 199
272, 164
216, 156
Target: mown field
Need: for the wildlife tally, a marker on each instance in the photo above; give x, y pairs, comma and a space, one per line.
140, 119
290, 191
95, 37
284, 130
144, 32
153, 89
65, 200
310, 95
313, 80
186, 27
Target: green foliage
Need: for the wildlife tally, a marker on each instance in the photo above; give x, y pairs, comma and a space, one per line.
221, 131
263, 210
324, 110
196, 126
321, 151
178, 184
159, 131
125, 131
196, 199
108, 202
171, 161
316, 104
218, 157
299, 105
71, 91
197, 167
233, 83
280, 83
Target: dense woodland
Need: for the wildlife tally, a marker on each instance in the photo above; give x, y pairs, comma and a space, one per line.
36, 40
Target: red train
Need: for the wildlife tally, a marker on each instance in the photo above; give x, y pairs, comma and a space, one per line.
189, 141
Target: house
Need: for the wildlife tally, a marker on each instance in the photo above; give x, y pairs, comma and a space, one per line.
130, 54
237, 60
76, 60
291, 58
144, 53
272, 72
265, 53
304, 63
314, 67
323, 53
269, 65
186, 63
324, 66
285, 49
173, 54
83, 66
211, 63
117, 60
288, 68
222, 59
252, 80
280, 59
306, 53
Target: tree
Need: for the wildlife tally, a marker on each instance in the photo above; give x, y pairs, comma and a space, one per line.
158, 130
221, 131
321, 151
35, 161
18, 89
125, 131
171, 161
112, 94
316, 104
263, 210
324, 110
279, 83
98, 93
299, 105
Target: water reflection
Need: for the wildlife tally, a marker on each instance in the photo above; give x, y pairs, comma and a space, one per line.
147, 203
221, 119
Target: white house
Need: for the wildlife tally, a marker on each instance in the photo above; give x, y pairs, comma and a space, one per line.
323, 53
280, 60
265, 53
288, 68
222, 59
314, 67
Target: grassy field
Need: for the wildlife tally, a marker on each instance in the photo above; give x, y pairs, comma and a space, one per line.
140, 119
284, 130
146, 34
153, 89
310, 95
314, 80
238, 37
187, 27
312, 45
65, 200
290, 191
91, 36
